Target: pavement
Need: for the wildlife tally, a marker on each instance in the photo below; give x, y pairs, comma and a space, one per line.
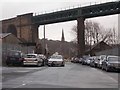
71, 76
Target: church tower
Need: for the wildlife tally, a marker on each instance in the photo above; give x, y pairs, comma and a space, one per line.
62, 51
62, 38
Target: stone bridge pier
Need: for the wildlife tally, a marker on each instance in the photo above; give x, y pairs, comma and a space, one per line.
81, 36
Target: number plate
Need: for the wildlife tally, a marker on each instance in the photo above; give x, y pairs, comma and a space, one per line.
29, 60
12, 58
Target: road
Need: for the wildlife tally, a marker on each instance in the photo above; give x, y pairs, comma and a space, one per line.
71, 76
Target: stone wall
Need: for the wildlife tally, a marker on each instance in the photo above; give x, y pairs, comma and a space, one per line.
22, 25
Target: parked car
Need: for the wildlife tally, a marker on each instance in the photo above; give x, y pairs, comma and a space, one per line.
84, 60
75, 60
88, 61
56, 60
96, 61
80, 60
101, 58
14, 57
111, 63
33, 59
92, 64
43, 58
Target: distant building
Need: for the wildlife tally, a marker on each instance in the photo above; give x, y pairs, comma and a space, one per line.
97, 48
9, 38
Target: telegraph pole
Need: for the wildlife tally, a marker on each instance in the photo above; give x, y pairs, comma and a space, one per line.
44, 41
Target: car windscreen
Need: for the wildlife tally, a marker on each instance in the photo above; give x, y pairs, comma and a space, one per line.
14, 54
114, 58
56, 57
30, 56
41, 56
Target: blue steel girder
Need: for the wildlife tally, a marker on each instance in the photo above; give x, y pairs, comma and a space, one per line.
97, 10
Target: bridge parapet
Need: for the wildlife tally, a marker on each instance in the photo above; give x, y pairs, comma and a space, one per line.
72, 14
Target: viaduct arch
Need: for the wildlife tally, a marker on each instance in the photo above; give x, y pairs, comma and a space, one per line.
27, 32
12, 29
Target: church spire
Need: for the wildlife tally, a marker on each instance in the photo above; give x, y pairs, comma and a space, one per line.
63, 38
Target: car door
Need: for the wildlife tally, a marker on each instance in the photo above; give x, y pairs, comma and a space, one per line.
104, 63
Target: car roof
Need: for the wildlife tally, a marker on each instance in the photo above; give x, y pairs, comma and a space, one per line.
112, 56
41, 54
32, 54
57, 55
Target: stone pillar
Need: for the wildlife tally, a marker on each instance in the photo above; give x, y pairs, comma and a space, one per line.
81, 36
34, 33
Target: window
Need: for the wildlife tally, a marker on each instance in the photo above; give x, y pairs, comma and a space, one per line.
30, 56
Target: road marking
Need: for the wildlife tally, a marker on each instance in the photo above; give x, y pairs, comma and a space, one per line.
23, 84
22, 71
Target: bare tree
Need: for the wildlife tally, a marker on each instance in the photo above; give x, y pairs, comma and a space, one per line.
92, 32
95, 33
111, 37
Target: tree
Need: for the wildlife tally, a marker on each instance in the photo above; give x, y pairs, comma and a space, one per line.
111, 36
95, 33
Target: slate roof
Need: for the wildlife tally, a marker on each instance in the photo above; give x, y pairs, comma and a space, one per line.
3, 35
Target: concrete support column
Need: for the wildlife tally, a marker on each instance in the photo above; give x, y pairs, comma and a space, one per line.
81, 36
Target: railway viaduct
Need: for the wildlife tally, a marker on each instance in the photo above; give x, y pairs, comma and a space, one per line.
25, 27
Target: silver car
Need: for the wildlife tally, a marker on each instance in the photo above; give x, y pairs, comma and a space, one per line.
32, 59
56, 60
101, 59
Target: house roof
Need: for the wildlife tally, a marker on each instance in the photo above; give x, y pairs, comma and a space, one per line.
94, 46
3, 35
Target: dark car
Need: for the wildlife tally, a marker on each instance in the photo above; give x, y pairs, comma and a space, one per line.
14, 58
111, 63
75, 60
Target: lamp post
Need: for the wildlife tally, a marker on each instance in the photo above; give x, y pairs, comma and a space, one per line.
44, 41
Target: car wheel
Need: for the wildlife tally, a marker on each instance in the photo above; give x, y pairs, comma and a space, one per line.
7, 64
107, 69
39, 64
62, 65
43, 64
48, 65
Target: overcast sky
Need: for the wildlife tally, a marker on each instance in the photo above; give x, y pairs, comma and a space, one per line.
11, 8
